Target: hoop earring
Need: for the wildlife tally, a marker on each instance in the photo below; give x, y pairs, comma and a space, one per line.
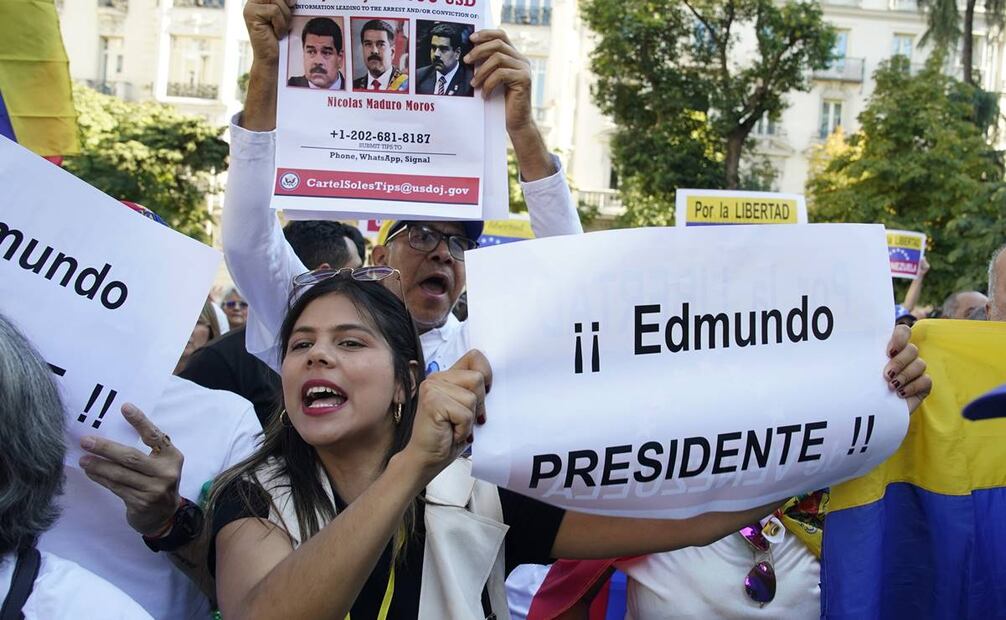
284, 418
398, 414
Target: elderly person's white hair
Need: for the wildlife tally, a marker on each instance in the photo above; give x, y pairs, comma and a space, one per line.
993, 276
31, 436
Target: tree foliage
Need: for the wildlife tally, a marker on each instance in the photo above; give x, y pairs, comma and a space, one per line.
945, 27
919, 162
687, 81
151, 154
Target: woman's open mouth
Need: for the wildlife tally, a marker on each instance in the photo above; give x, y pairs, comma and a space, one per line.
321, 397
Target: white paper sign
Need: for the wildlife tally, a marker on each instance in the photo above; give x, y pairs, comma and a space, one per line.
666, 372
108, 297
377, 116
720, 207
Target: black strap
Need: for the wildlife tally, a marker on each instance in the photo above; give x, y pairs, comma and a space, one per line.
487, 605
29, 560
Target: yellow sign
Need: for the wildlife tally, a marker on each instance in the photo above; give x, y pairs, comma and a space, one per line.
901, 240
717, 208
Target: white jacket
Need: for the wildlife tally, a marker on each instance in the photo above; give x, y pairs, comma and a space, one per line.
464, 541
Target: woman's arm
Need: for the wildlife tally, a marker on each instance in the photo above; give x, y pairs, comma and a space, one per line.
915, 288
583, 536
260, 575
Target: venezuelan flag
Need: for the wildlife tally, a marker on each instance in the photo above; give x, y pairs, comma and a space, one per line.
505, 231
924, 534
36, 104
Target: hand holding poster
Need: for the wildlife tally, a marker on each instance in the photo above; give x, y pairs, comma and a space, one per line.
108, 298
733, 367
396, 129
905, 250
712, 207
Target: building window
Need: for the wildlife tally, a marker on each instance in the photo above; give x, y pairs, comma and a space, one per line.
831, 117
538, 87
110, 59
839, 51
534, 12
901, 45
765, 126
210, 4
194, 67
244, 57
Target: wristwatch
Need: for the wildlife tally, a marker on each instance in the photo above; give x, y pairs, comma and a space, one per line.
184, 527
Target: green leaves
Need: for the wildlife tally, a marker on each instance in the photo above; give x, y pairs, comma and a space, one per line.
685, 86
921, 161
150, 154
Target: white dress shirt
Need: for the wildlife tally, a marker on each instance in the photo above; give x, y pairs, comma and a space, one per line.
263, 264
447, 78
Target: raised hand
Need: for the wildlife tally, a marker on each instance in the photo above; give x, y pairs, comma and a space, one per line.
147, 483
906, 372
450, 404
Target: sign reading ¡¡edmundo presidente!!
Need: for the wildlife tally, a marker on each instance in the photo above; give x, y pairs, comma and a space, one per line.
666, 372
108, 297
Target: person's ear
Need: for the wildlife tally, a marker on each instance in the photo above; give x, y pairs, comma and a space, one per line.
413, 383
324, 266
414, 371
379, 255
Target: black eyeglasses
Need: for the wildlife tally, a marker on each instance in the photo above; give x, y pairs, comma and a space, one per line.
426, 239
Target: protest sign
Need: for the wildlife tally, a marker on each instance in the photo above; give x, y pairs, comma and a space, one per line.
905, 250
663, 372
711, 207
377, 116
506, 231
108, 298
370, 229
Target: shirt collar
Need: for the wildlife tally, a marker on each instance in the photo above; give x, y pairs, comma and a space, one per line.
336, 85
440, 334
450, 75
384, 80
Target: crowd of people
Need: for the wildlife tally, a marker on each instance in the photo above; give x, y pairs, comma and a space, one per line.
308, 457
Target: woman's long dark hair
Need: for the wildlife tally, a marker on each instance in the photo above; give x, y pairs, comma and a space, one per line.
298, 461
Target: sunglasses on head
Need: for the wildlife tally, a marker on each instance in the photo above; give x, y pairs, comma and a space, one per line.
425, 239
760, 582
374, 273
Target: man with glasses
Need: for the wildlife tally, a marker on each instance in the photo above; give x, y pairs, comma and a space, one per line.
429, 255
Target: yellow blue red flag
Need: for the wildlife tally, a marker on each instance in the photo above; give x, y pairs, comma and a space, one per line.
36, 103
924, 534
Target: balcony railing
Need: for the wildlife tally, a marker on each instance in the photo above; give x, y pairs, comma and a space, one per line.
607, 201
904, 5
119, 5
842, 70
196, 91
122, 90
209, 4
534, 14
